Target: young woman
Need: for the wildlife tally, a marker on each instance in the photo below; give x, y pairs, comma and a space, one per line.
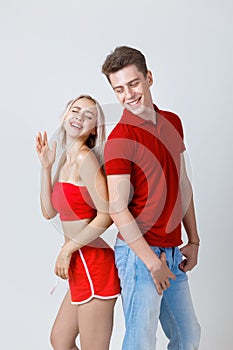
79, 194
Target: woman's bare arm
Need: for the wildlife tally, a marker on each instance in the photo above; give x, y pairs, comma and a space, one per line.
47, 158
95, 180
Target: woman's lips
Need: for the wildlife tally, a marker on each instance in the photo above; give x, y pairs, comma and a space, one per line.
75, 125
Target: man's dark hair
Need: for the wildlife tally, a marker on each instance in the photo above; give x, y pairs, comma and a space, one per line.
122, 57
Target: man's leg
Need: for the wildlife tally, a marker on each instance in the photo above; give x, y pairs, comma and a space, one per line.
141, 302
177, 315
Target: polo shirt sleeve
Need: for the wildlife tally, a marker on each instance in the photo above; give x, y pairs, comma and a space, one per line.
118, 153
179, 128
178, 136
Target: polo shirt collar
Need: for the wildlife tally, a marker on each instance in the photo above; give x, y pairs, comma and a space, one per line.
133, 119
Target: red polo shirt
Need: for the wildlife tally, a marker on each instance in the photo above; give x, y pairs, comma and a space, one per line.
150, 153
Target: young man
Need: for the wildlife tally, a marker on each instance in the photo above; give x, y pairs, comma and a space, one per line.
150, 195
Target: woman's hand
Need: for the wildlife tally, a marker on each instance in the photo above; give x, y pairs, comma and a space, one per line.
46, 155
63, 263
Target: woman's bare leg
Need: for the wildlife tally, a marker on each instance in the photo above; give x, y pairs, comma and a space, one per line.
65, 328
95, 323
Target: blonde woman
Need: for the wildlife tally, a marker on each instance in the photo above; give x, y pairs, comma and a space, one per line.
79, 194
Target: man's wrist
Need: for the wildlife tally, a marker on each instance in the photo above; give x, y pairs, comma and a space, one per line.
154, 263
197, 242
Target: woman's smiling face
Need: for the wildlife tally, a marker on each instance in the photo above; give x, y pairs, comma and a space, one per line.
81, 118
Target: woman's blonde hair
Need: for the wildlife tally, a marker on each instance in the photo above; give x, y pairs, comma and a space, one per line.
94, 142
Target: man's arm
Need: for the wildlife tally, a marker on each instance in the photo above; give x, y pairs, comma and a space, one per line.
190, 251
119, 190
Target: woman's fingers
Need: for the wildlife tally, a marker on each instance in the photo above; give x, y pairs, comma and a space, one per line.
39, 137
41, 141
61, 269
45, 141
38, 143
62, 264
61, 272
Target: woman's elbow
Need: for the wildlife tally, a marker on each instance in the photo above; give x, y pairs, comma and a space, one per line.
48, 216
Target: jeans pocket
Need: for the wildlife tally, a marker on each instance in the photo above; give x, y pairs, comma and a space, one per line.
178, 256
121, 258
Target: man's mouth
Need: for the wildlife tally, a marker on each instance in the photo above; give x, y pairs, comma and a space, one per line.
134, 102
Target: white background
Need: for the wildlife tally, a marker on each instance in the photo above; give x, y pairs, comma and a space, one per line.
51, 51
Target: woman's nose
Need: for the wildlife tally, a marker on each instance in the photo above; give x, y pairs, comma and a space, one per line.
79, 117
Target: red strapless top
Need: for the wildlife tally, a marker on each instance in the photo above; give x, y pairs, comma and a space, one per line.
72, 202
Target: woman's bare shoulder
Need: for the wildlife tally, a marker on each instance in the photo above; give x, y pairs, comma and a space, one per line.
85, 154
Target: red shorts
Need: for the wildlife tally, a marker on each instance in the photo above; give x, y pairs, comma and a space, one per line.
93, 274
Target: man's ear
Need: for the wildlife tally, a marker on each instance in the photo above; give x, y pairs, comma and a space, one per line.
150, 77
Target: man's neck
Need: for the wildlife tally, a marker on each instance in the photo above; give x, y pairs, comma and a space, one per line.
149, 115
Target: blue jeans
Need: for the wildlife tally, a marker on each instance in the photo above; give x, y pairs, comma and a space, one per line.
143, 307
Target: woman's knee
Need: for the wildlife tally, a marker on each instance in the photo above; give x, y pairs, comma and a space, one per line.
55, 339
59, 341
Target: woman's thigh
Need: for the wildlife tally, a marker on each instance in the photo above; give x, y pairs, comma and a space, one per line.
65, 328
95, 323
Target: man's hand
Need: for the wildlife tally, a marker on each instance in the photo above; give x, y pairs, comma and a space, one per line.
161, 274
190, 251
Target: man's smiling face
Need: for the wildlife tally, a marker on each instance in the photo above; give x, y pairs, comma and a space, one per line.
132, 88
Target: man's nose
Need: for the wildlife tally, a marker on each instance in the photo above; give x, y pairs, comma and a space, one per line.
128, 92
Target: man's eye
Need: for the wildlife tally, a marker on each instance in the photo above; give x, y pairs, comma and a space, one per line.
74, 111
134, 84
119, 91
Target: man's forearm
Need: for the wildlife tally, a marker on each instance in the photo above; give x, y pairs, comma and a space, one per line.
134, 238
189, 219
189, 222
